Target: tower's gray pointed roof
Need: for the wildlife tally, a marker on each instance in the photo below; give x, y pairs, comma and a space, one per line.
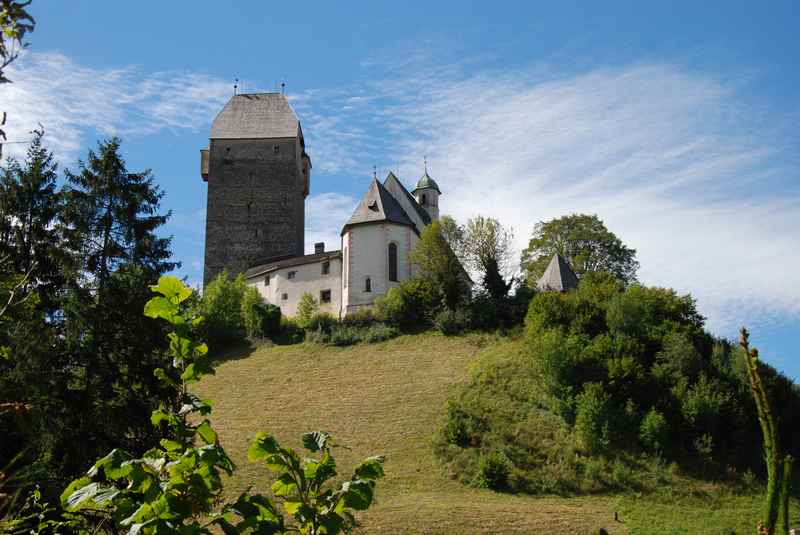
256, 116
427, 182
376, 206
558, 276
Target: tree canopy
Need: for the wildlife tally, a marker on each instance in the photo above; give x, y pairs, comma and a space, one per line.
585, 242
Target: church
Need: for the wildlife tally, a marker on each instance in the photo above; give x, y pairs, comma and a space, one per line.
258, 176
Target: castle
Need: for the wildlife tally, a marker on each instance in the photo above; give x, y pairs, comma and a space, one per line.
258, 176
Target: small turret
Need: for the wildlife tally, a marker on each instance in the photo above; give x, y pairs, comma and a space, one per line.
427, 194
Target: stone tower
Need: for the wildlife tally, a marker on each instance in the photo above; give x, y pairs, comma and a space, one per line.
258, 176
427, 194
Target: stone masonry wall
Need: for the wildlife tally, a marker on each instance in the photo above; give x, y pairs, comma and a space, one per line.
255, 210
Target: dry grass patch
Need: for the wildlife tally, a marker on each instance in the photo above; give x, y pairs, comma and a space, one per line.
384, 398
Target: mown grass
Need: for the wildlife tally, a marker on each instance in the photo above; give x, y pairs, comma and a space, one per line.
388, 398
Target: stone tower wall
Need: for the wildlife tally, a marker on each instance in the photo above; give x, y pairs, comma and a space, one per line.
256, 202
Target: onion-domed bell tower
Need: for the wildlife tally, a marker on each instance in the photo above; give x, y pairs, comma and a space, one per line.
427, 194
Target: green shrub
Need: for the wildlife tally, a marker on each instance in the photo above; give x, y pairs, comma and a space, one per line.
410, 305
221, 305
654, 431
321, 321
452, 322
363, 317
307, 307
379, 332
592, 418
261, 320
290, 331
343, 335
493, 471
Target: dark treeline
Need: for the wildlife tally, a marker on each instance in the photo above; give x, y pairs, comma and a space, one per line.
77, 255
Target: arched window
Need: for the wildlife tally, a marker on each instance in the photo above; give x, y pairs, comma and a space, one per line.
368, 284
393, 262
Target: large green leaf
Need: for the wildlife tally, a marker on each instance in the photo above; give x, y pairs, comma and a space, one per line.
93, 494
172, 288
358, 494
284, 486
263, 446
160, 307
316, 440
371, 468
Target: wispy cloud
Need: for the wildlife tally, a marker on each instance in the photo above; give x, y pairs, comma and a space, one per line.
674, 161
677, 161
326, 213
70, 99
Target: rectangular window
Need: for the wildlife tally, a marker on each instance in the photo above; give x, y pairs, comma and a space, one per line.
291, 274
326, 268
285, 297
368, 284
266, 280
325, 296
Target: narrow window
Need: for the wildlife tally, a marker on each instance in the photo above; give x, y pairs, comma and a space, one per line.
325, 296
276, 149
424, 199
291, 274
326, 268
368, 284
393, 262
285, 297
266, 280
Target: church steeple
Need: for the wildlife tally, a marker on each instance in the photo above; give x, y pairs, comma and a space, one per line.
427, 193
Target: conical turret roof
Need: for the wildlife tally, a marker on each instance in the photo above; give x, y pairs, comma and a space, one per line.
558, 276
427, 182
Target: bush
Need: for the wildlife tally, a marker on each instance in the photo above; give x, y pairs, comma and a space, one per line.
410, 305
252, 316
321, 321
591, 418
221, 305
654, 431
452, 322
307, 307
379, 332
343, 335
363, 317
493, 470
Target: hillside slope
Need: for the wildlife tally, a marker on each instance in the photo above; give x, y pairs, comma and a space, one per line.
380, 399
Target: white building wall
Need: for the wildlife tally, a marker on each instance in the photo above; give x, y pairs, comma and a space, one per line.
308, 278
366, 253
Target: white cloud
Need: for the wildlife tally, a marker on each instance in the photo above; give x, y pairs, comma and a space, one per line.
671, 159
326, 213
70, 99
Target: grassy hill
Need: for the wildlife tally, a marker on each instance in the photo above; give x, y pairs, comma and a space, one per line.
387, 399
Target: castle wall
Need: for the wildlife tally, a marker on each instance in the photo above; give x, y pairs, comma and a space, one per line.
255, 209
307, 278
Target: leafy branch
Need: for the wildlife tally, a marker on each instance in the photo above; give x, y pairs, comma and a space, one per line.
177, 487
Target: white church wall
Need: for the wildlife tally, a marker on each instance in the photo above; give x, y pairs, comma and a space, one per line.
307, 278
368, 257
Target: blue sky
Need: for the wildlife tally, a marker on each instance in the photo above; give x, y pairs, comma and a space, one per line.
675, 123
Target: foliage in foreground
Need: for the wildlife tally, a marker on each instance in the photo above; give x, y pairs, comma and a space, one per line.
177, 486
614, 387
779, 468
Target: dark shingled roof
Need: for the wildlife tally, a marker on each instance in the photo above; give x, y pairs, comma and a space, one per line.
256, 116
376, 206
558, 276
426, 218
290, 262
